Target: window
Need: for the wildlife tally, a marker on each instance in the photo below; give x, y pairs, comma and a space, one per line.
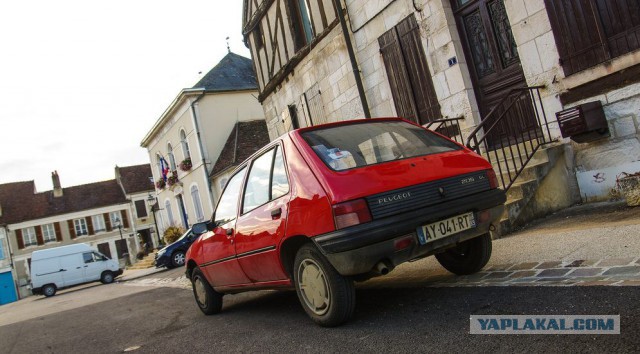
257, 190
301, 18
362, 144
80, 227
228, 205
223, 183
588, 33
172, 159
29, 236
279, 181
185, 144
258, 38
267, 180
197, 205
141, 208
116, 218
167, 207
98, 223
48, 233
90, 257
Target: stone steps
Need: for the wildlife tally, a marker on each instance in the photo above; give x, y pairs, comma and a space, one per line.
146, 262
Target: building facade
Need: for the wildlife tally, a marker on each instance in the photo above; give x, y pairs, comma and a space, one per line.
186, 141
427, 60
98, 214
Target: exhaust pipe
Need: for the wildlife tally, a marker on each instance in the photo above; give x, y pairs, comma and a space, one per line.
382, 268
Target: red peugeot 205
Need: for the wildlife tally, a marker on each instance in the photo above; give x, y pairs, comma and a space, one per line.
322, 207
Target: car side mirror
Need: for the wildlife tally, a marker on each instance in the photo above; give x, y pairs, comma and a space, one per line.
201, 228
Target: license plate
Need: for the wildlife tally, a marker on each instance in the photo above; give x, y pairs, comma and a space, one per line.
447, 227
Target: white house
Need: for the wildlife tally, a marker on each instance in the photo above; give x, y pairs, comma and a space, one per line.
98, 214
190, 135
470, 63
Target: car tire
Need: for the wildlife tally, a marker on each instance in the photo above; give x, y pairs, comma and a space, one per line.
49, 290
106, 277
208, 300
177, 259
326, 296
468, 257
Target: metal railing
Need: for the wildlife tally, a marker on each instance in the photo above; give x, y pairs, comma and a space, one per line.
511, 133
449, 127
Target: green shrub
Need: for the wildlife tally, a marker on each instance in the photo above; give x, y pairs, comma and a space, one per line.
172, 233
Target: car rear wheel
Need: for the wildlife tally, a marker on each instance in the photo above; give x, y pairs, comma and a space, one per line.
326, 296
106, 277
49, 290
177, 259
468, 257
208, 300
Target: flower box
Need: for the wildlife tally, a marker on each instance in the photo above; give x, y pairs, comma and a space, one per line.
186, 164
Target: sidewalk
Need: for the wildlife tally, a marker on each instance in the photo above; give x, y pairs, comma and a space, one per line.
590, 244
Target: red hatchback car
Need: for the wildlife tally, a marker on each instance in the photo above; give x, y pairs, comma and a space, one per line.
322, 207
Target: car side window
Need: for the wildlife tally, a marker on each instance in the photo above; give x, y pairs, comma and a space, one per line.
228, 205
88, 257
257, 190
279, 180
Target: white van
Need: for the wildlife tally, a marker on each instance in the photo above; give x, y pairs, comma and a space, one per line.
65, 266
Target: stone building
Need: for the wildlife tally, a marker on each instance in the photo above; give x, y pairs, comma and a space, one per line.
492, 71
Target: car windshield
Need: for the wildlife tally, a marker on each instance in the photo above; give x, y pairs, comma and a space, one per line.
361, 144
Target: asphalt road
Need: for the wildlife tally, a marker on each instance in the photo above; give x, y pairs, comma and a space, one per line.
386, 320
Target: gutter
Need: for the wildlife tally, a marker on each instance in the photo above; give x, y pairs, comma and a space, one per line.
352, 58
194, 114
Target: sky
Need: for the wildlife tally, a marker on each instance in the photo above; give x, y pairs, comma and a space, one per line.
82, 82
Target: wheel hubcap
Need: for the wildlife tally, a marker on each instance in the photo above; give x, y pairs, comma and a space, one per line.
314, 287
108, 278
201, 293
48, 290
179, 259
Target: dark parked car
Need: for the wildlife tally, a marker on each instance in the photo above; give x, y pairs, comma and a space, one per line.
173, 255
324, 206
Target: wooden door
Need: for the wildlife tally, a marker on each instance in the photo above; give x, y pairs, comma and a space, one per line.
104, 249
493, 57
409, 77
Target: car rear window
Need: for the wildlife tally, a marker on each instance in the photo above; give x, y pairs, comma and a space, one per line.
362, 144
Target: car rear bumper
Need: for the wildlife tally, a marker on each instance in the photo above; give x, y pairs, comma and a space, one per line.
358, 249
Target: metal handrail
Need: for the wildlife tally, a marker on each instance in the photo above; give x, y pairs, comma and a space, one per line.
518, 102
449, 124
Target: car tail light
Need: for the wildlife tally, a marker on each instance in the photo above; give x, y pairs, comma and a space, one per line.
351, 213
493, 179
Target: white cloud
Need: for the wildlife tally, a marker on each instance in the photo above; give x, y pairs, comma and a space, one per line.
82, 82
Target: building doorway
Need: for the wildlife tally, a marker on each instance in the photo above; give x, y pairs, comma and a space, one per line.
183, 211
494, 62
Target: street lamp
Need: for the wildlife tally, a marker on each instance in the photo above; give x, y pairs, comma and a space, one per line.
153, 203
118, 224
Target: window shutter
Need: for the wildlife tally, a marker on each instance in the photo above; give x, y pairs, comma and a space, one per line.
56, 227
39, 237
107, 221
397, 75
19, 239
125, 219
89, 225
72, 229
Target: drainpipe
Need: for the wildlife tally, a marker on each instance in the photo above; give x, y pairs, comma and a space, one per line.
204, 162
352, 57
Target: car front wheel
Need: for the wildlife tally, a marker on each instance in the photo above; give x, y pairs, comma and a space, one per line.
106, 277
468, 257
326, 296
208, 300
177, 260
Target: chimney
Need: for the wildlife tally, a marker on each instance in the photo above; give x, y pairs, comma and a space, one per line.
57, 189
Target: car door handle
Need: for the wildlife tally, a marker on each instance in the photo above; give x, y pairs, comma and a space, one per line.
275, 213
79, 267
63, 270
